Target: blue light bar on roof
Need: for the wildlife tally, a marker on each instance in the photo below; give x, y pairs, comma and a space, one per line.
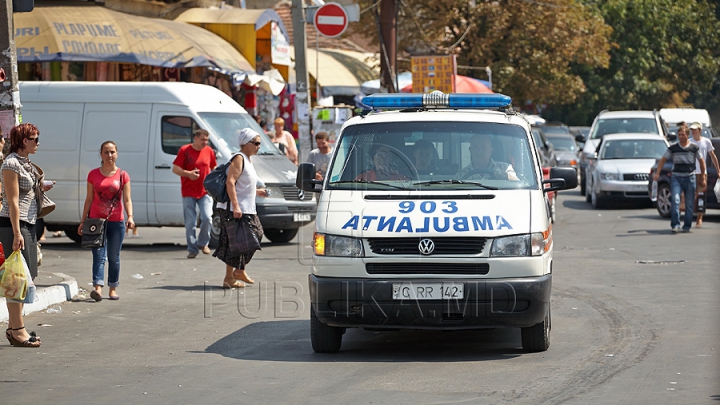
437, 99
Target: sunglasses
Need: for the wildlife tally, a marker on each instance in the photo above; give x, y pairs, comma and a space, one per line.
36, 139
256, 143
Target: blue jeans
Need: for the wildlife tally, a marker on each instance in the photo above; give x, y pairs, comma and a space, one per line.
204, 205
111, 251
680, 184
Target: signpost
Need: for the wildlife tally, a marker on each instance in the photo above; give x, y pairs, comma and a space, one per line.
331, 20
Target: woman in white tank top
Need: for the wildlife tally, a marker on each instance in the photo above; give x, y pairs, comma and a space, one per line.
241, 173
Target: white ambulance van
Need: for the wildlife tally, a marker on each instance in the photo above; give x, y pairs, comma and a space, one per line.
463, 241
149, 122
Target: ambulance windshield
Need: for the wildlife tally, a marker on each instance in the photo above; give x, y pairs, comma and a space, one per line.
433, 155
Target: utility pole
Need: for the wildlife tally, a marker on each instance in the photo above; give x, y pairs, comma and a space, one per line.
302, 101
388, 47
10, 93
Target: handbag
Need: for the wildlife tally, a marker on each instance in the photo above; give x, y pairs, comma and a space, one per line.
214, 182
44, 203
241, 238
94, 232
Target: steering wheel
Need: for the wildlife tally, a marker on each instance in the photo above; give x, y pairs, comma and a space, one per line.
477, 171
408, 163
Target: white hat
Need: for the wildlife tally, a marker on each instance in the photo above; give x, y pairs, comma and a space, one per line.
696, 125
246, 135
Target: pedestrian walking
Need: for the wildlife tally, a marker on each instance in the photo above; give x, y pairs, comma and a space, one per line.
285, 137
108, 191
706, 149
20, 181
242, 189
320, 156
683, 155
193, 163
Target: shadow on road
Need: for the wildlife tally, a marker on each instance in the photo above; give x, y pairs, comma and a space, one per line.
289, 340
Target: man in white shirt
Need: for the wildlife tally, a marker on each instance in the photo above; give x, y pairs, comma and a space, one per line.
320, 157
706, 149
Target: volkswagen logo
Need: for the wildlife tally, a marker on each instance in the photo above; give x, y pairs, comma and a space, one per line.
426, 246
301, 194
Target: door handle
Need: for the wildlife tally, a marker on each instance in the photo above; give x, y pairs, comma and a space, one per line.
162, 167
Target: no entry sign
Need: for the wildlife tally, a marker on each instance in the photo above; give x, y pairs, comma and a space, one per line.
331, 20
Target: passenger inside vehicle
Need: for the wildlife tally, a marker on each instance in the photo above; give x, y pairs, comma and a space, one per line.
425, 157
386, 164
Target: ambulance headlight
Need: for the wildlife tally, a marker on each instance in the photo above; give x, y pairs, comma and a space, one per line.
520, 245
333, 245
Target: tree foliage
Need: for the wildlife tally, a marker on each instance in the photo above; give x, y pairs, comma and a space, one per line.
529, 46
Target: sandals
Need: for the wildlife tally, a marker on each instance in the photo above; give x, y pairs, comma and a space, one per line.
244, 278
236, 284
95, 295
28, 343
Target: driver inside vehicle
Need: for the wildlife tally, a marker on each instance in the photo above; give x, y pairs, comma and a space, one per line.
482, 166
384, 165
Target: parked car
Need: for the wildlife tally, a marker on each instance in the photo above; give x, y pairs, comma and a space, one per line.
545, 148
566, 150
614, 122
673, 116
580, 134
621, 168
663, 192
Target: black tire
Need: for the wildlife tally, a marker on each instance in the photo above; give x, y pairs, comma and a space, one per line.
596, 201
324, 338
664, 200
214, 231
536, 338
280, 235
72, 233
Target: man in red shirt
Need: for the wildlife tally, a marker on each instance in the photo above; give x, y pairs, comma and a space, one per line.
193, 163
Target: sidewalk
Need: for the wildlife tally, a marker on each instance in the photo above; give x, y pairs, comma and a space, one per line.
52, 289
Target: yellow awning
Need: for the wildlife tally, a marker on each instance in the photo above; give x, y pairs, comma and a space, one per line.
340, 72
258, 18
98, 34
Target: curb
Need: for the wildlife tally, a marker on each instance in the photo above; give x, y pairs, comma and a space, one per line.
46, 296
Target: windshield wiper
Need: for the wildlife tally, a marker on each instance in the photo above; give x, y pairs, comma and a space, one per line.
453, 181
367, 182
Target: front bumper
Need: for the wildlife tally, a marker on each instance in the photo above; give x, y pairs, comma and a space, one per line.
282, 216
616, 189
356, 302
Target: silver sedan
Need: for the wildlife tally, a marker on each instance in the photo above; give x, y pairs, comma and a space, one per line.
622, 167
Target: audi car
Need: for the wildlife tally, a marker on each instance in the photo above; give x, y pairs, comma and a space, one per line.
621, 168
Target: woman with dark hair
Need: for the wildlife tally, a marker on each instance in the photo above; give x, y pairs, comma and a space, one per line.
20, 181
108, 190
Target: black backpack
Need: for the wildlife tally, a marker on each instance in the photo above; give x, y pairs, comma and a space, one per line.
214, 182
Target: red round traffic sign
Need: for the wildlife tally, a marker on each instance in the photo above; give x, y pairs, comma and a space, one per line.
331, 20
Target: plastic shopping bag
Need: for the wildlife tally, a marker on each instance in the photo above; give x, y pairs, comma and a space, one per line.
15, 277
717, 189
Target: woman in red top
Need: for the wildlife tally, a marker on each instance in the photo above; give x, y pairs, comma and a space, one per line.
108, 189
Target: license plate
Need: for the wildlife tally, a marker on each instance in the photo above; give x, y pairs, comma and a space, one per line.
640, 187
428, 291
301, 216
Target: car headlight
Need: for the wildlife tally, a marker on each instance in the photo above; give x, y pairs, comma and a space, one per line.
534, 244
333, 245
610, 176
275, 192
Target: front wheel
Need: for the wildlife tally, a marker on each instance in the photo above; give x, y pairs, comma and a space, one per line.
536, 338
324, 338
280, 235
664, 200
597, 201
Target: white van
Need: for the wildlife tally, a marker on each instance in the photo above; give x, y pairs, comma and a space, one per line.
464, 242
149, 122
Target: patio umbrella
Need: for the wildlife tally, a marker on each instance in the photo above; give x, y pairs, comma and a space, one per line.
463, 84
